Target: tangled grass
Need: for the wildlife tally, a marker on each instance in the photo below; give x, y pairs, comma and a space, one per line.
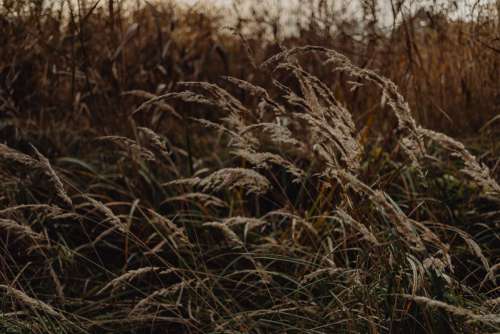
288, 220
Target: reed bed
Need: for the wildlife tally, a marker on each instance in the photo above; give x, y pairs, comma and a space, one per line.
252, 203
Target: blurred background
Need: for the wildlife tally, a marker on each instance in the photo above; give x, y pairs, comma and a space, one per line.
72, 61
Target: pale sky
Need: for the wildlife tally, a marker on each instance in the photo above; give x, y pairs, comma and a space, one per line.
385, 14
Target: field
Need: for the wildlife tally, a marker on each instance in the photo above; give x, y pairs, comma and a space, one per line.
163, 172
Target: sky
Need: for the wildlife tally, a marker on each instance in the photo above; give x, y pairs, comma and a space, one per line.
463, 8
385, 14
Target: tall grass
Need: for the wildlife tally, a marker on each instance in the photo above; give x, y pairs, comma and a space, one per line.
160, 173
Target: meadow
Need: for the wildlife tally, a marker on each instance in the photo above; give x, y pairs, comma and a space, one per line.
162, 171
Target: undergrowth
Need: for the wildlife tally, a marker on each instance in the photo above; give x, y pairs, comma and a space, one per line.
233, 206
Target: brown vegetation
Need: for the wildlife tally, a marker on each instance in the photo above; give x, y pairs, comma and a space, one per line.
161, 173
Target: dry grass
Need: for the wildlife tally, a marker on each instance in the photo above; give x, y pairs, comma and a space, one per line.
300, 192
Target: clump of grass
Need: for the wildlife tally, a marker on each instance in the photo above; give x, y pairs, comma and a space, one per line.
261, 203
301, 238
